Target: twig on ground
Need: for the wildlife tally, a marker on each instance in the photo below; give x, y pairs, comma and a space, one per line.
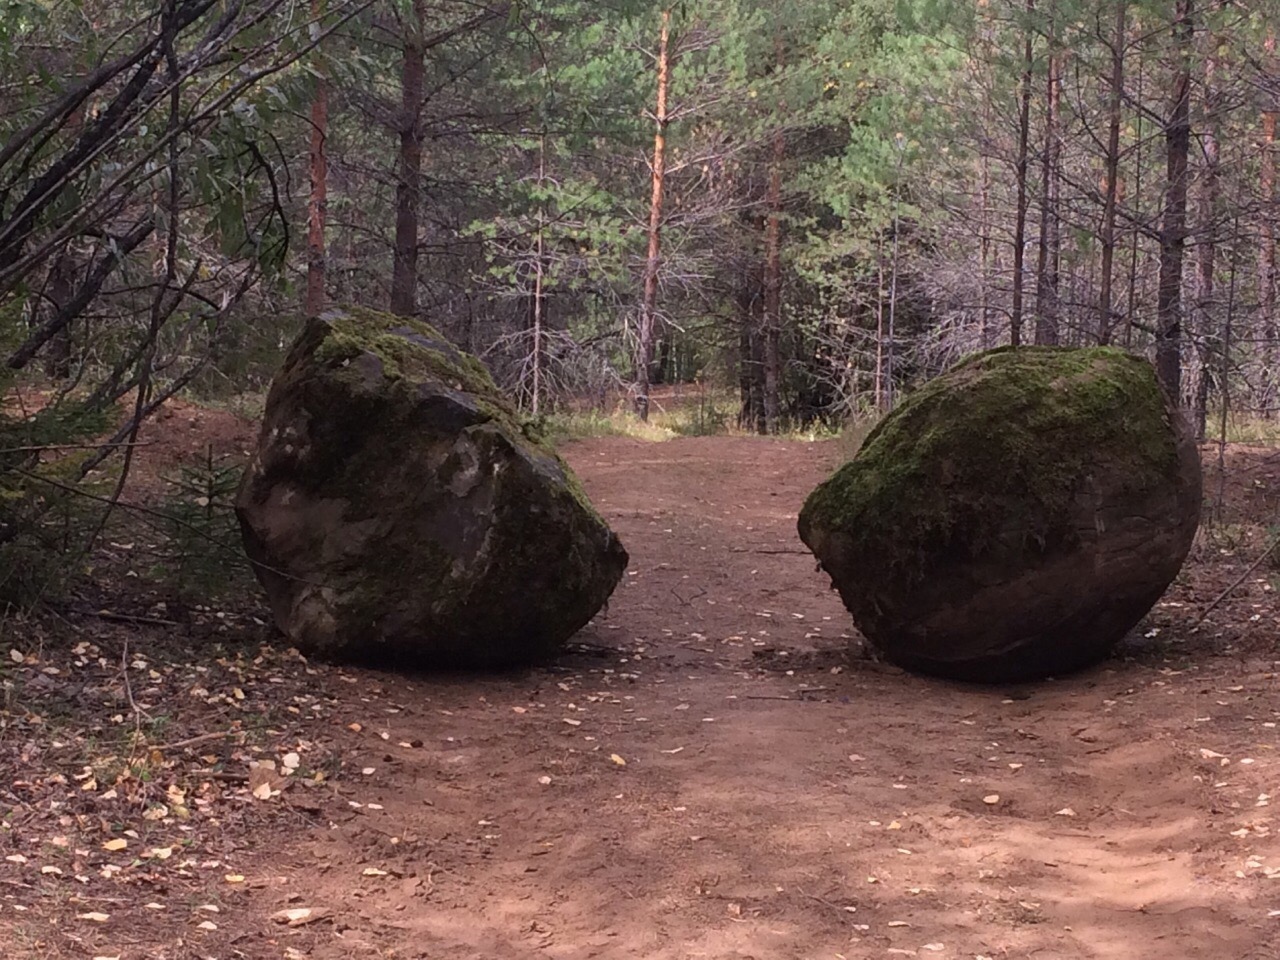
50, 447
144, 511
193, 741
1271, 548
138, 712
798, 698
131, 618
826, 903
701, 593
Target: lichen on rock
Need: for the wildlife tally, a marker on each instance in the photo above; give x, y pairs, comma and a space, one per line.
399, 508
1014, 517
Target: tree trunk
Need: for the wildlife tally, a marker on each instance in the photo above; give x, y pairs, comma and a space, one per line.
1207, 248
984, 253
1047, 322
1267, 254
653, 261
663, 371
317, 207
59, 289
881, 406
1112, 176
986, 52
1173, 229
890, 334
59, 292
750, 373
404, 270
1135, 235
773, 265
535, 392
1020, 174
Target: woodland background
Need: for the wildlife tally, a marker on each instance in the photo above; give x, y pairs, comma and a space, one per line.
803, 207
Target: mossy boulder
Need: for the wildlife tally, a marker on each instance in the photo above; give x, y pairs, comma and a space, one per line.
1014, 518
399, 510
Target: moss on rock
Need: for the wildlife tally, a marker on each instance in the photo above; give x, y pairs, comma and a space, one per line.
1010, 461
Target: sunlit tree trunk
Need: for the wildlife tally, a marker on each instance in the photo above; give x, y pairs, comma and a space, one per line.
1047, 322
535, 391
1173, 229
985, 337
653, 260
1207, 247
1020, 175
773, 265
1267, 254
880, 327
1119, 43
1136, 234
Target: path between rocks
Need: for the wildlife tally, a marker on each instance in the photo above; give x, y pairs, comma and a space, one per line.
711, 775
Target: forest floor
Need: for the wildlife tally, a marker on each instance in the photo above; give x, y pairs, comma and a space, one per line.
714, 771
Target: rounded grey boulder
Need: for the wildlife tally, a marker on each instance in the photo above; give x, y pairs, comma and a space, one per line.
1015, 518
398, 510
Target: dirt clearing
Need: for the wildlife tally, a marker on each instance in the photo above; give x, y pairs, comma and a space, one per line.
710, 774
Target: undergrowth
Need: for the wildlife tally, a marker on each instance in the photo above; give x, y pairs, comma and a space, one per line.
1244, 428
199, 555
700, 413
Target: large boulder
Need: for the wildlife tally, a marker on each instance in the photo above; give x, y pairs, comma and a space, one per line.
399, 510
1013, 519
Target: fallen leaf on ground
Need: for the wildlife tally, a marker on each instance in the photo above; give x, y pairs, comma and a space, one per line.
114, 845
617, 759
94, 917
297, 916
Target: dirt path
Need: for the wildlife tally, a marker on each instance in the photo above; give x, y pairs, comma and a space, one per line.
713, 777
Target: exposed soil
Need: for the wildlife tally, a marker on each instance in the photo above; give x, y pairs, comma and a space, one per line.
711, 773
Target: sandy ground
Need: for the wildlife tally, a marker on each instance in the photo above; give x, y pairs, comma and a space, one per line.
781, 799
712, 774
